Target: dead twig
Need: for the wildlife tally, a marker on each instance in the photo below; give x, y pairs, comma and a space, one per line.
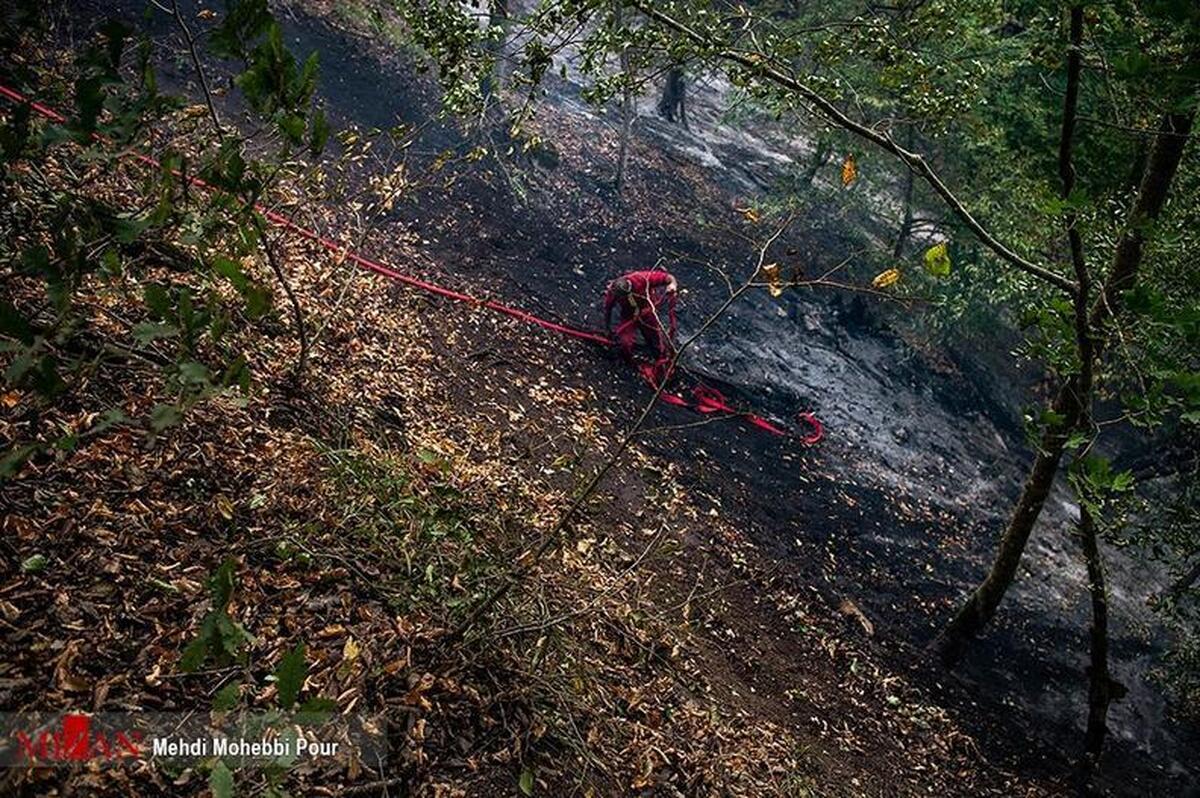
527, 561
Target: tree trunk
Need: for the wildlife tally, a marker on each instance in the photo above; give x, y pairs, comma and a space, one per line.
297, 313
494, 80
626, 130
979, 608
1102, 690
981, 605
1161, 165
627, 109
820, 157
673, 105
906, 224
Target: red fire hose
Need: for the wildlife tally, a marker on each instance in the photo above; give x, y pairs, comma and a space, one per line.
704, 399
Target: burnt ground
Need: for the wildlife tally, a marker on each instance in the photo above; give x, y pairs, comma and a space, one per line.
895, 511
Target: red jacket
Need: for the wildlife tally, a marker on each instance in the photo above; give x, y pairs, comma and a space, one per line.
643, 284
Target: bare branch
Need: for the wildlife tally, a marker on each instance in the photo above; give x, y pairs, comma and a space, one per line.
760, 65
527, 561
195, 56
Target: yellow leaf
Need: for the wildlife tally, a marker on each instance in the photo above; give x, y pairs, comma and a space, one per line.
849, 170
750, 213
350, 650
886, 278
937, 260
771, 274
225, 508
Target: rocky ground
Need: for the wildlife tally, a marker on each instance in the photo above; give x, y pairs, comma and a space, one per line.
798, 584
935, 436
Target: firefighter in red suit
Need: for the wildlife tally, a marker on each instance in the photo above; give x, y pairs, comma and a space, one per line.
647, 303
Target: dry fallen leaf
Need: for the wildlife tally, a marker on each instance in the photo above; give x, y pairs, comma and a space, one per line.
752, 215
67, 681
851, 610
849, 170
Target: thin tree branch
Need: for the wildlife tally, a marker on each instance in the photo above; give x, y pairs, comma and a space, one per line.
760, 66
195, 56
527, 561
1066, 172
297, 312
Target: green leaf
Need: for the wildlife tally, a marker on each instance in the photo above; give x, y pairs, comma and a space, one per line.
220, 781
89, 98
319, 704
1077, 201
1134, 64
1050, 418
258, 301
34, 564
110, 262
307, 83
1188, 384
315, 711
13, 323
158, 300
67, 443
128, 229
289, 676
219, 324
526, 782
231, 636
292, 126
237, 373
1076, 440
36, 260
45, 379
196, 652
147, 331
937, 260
164, 416
244, 23
227, 697
19, 367
192, 372
109, 419
318, 133
231, 271
16, 457
115, 34
1098, 474
220, 584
